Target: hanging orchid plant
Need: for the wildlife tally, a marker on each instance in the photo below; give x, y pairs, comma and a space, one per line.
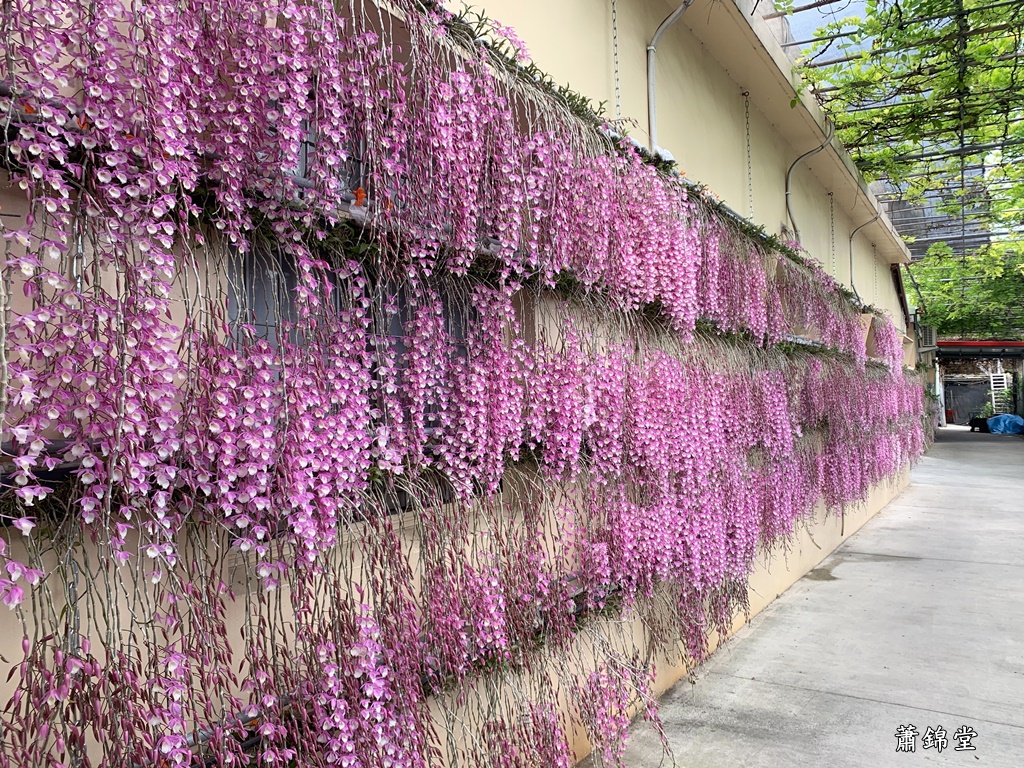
354, 374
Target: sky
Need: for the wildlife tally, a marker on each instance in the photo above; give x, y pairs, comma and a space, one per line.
805, 23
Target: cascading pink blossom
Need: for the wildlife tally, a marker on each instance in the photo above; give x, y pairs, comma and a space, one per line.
285, 269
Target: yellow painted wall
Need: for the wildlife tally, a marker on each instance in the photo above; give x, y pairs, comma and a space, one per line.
816, 538
701, 117
701, 121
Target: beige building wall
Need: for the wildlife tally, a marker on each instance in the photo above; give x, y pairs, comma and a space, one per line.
705, 64
816, 537
773, 574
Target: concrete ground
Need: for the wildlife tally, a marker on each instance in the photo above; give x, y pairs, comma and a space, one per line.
916, 620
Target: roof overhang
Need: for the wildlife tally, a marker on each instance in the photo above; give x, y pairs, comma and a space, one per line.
964, 348
744, 43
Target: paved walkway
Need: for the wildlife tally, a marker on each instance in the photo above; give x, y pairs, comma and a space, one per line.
917, 620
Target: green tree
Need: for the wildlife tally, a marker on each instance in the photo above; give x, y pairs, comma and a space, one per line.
978, 296
928, 95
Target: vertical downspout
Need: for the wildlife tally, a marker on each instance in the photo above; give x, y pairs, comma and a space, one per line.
829, 133
853, 235
652, 50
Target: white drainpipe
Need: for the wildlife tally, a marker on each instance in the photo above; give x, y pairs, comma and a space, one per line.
652, 50
829, 133
853, 234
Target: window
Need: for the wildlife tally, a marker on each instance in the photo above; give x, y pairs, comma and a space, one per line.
262, 303
261, 295
352, 173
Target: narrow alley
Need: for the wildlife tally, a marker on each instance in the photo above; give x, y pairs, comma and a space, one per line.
917, 620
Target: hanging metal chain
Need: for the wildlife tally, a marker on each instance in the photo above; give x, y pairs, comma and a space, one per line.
874, 259
832, 229
750, 159
615, 61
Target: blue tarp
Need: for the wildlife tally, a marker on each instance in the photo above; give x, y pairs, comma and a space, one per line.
1006, 424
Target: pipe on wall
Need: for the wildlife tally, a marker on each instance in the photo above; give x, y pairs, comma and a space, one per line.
652, 51
853, 234
830, 131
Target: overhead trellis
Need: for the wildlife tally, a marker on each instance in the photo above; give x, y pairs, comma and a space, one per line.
928, 96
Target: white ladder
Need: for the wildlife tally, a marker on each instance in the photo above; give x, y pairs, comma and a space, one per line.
999, 387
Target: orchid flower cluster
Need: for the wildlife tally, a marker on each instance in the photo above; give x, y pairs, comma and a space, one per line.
888, 342
349, 380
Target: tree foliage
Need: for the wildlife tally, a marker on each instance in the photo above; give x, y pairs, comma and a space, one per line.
922, 75
979, 296
928, 95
